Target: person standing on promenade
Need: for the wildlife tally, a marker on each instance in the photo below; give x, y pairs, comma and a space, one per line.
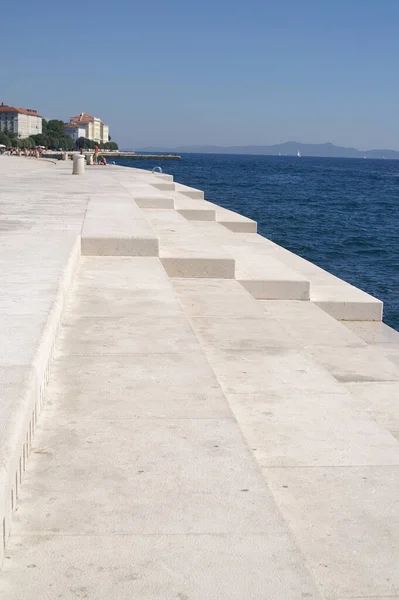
95, 154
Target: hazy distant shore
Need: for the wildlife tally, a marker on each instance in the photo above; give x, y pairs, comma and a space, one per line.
286, 149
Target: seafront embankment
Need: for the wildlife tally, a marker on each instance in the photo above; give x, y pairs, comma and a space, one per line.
188, 410
113, 154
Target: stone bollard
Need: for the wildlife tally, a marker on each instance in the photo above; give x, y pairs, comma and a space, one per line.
89, 159
78, 164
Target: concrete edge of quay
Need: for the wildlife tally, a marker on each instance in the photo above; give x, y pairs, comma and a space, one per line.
17, 442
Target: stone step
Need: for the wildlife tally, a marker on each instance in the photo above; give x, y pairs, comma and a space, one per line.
263, 276
168, 222
184, 251
374, 332
164, 185
268, 278
193, 258
189, 191
322, 423
309, 325
346, 303
234, 221
29, 331
378, 398
137, 427
216, 298
337, 297
146, 196
154, 201
264, 363
117, 229
193, 209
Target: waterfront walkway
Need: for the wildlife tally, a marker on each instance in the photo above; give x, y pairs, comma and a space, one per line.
211, 428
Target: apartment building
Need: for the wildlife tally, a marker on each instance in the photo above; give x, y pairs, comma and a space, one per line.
75, 131
21, 121
95, 129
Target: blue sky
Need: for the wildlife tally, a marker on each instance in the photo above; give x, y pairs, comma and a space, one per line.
210, 72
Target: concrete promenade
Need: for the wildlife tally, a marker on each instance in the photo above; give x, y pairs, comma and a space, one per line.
187, 410
115, 154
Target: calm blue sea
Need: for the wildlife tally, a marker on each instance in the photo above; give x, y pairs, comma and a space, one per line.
342, 214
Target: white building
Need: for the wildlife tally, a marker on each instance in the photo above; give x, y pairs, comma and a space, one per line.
95, 129
75, 131
21, 121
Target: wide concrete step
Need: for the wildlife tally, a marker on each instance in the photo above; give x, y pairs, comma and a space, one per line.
234, 221
318, 406
263, 276
182, 257
346, 302
378, 397
154, 201
35, 284
136, 426
117, 228
193, 209
184, 251
164, 185
268, 278
146, 196
374, 333
167, 222
189, 191
337, 297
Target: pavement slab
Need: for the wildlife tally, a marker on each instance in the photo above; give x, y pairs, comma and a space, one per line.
345, 520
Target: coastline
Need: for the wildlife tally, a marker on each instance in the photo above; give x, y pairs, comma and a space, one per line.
340, 214
113, 154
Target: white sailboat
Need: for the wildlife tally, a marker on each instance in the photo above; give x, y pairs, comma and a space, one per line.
299, 155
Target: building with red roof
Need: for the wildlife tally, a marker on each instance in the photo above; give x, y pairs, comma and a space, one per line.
94, 127
21, 121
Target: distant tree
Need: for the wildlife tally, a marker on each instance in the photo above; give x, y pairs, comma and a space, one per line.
66, 142
53, 142
87, 144
40, 139
4, 139
84, 143
53, 139
28, 143
55, 127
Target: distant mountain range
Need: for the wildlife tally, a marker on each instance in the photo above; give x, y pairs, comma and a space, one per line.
286, 149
